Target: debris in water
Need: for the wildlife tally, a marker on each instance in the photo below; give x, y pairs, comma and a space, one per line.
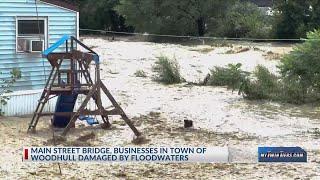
105, 126
140, 140
272, 56
206, 79
188, 123
87, 137
121, 173
32, 173
237, 50
56, 140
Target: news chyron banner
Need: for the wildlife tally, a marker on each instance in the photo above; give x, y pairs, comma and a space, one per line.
165, 154
126, 154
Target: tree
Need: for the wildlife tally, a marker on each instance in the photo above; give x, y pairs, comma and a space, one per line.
244, 19
200, 12
100, 14
294, 18
188, 17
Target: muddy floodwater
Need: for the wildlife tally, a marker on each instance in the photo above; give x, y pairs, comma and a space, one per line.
221, 118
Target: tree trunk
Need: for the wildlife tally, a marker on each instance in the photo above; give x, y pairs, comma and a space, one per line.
201, 26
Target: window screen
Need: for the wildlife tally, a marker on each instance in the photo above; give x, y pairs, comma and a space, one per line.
29, 27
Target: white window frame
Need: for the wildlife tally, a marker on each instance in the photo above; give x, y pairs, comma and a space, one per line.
45, 32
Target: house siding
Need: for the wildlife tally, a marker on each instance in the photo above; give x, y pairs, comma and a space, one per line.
34, 68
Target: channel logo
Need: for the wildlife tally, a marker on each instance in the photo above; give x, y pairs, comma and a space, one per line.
282, 154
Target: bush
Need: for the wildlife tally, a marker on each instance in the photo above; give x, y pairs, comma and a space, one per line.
300, 70
140, 73
231, 76
6, 85
167, 71
299, 80
263, 85
304, 62
292, 91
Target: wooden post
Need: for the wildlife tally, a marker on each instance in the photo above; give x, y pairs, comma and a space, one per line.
117, 106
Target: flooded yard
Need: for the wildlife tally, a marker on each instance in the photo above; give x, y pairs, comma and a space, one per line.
221, 118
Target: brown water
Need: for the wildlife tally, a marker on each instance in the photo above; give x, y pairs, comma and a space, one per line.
221, 118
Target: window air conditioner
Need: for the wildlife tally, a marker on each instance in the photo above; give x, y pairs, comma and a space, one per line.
36, 45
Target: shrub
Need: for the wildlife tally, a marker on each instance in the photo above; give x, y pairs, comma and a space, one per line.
304, 62
140, 73
167, 70
300, 70
292, 91
6, 85
263, 85
231, 76
299, 80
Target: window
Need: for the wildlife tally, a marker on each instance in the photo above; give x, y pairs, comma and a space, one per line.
30, 27
31, 35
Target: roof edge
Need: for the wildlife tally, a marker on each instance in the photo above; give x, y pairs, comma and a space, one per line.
63, 3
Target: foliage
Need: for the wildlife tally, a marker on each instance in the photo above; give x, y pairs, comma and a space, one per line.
140, 73
262, 85
100, 14
6, 85
188, 17
244, 19
231, 18
231, 76
292, 91
302, 66
299, 80
294, 18
167, 70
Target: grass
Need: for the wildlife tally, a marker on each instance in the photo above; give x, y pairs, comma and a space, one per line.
168, 71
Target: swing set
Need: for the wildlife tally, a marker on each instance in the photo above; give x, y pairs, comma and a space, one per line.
70, 77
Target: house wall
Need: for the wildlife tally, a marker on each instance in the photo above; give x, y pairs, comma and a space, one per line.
34, 68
